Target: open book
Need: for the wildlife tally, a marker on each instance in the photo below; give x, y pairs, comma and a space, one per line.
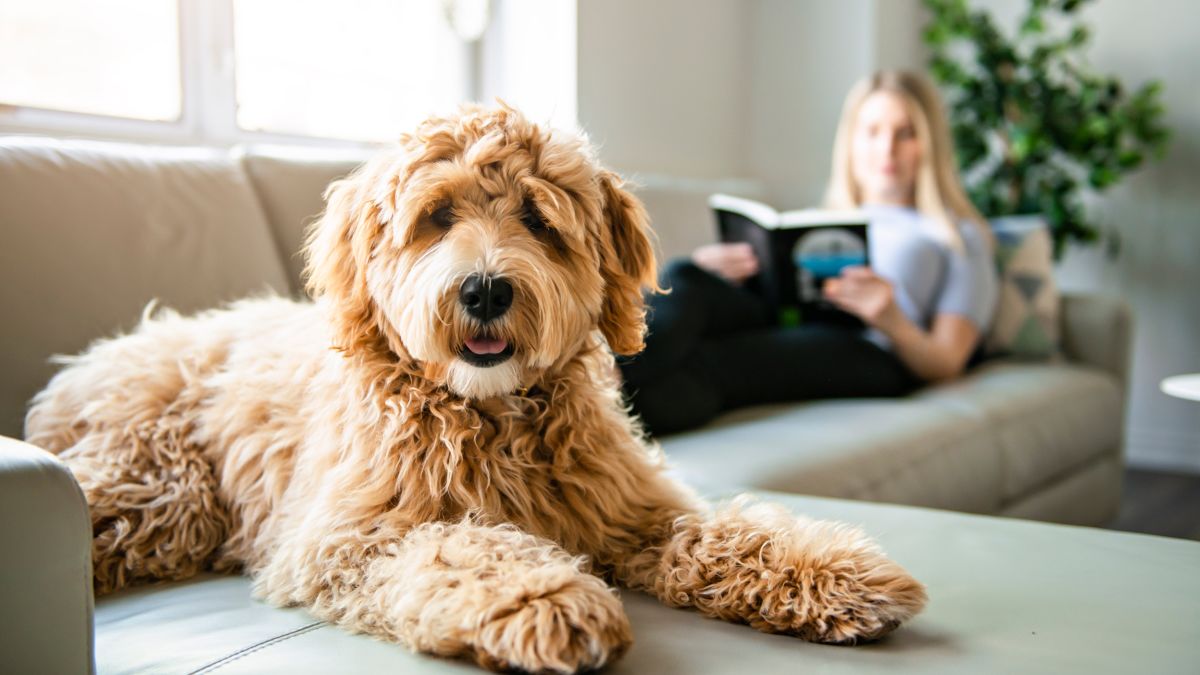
797, 251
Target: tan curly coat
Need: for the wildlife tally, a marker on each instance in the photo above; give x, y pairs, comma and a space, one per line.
346, 455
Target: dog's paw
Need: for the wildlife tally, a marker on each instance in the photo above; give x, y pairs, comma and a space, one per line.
842, 590
577, 627
853, 608
822, 581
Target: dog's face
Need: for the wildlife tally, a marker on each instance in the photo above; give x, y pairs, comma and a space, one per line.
485, 250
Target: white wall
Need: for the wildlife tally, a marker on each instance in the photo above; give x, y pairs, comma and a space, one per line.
1157, 213
528, 59
898, 26
718, 89
663, 85
698, 96
690, 97
806, 56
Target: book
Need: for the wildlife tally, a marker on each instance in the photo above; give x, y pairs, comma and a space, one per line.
797, 251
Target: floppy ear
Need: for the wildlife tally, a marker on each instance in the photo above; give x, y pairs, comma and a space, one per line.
628, 266
337, 248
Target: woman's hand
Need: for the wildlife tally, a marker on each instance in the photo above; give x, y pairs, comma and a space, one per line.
733, 262
864, 294
939, 353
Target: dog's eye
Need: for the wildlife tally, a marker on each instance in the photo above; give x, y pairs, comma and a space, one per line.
442, 216
533, 219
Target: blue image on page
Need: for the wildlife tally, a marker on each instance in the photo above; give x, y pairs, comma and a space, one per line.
822, 254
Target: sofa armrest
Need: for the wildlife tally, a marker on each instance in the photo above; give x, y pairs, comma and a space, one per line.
45, 565
1097, 331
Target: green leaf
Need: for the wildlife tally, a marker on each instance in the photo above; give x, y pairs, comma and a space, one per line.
1097, 125
935, 35
1021, 144
1064, 128
1130, 159
1100, 177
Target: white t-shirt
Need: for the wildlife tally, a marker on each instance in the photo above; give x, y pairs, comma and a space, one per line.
928, 276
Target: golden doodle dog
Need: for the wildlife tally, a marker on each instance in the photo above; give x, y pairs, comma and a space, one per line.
435, 450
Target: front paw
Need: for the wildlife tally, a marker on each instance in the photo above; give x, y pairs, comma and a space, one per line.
848, 594
821, 581
577, 626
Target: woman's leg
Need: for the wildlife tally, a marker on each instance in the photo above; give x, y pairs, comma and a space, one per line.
806, 362
768, 365
700, 305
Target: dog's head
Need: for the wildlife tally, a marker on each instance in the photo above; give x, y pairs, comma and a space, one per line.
485, 250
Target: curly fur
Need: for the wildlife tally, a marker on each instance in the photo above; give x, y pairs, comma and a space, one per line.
344, 455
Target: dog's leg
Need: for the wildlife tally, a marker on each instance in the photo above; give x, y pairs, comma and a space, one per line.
153, 502
761, 565
152, 495
121, 416
502, 597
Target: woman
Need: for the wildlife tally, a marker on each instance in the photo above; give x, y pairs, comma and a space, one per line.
927, 298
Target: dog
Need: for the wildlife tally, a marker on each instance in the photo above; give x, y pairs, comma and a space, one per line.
435, 450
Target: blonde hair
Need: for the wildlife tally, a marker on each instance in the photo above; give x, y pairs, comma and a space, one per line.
939, 193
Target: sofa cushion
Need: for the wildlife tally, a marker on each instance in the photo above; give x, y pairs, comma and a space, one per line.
895, 450
1026, 324
1046, 419
290, 184
1005, 596
92, 232
975, 444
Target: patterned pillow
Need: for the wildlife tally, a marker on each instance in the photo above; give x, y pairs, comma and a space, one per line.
1026, 322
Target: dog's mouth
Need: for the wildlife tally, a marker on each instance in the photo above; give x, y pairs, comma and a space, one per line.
485, 351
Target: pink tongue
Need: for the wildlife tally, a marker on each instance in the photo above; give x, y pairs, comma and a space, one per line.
486, 345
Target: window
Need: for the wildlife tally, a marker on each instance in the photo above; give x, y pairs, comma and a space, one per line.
118, 57
308, 71
320, 68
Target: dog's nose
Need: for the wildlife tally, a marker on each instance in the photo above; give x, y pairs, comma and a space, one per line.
485, 298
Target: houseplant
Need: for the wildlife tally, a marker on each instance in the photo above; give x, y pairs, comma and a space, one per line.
1033, 125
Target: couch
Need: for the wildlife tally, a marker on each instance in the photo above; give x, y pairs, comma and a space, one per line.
91, 232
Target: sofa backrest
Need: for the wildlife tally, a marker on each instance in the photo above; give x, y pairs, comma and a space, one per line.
91, 232
290, 185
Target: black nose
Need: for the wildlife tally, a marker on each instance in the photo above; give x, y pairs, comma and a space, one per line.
485, 298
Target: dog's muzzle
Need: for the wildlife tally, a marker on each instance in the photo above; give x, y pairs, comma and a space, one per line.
486, 299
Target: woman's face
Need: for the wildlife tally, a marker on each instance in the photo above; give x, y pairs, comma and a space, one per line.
885, 151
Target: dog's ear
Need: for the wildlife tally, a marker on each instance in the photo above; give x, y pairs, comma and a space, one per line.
337, 248
628, 266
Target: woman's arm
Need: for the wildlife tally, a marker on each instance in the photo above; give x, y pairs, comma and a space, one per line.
940, 353
937, 354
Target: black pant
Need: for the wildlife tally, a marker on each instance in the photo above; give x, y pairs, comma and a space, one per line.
711, 347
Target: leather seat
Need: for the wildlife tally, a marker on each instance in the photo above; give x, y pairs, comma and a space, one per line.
1006, 596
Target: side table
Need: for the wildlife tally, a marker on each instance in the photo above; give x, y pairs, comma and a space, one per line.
1182, 386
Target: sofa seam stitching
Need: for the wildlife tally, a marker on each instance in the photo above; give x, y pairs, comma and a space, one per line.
246, 651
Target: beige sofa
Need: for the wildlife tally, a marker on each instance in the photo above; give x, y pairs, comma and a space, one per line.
91, 232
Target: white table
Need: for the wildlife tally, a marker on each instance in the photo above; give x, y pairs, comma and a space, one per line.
1182, 386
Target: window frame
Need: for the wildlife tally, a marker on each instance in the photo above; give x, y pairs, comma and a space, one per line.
208, 109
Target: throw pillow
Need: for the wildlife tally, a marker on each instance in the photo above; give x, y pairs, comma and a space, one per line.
1026, 322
